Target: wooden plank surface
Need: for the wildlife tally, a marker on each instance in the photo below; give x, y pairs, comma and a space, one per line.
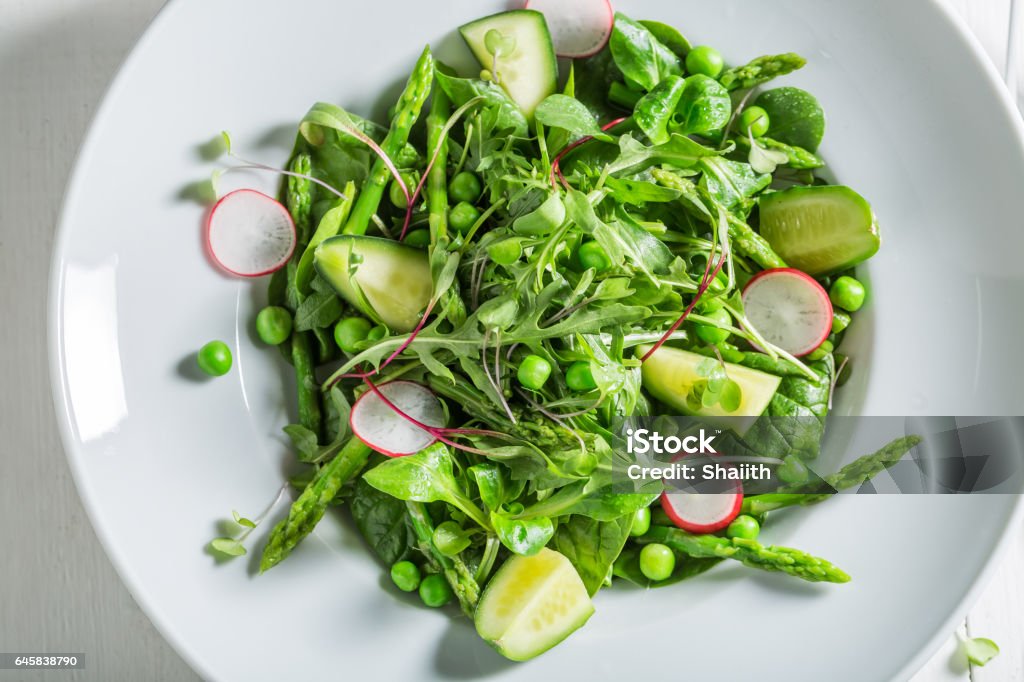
60, 591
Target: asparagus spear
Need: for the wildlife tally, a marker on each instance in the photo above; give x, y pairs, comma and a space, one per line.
850, 476
437, 181
742, 236
459, 576
797, 157
309, 508
408, 110
749, 552
761, 70
299, 199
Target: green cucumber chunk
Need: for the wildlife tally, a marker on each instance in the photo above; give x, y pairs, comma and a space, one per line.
531, 604
385, 280
671, 373
820, 230
515, 47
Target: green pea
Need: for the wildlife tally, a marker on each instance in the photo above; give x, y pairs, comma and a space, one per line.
792, 470
847, 293
395, 192
711, 333
215, 358
377, 333
592, 255
641, 522
754, 120
840, 321
406, 576
463, 216
534, 372
465, 187
274, 325
579, 377
705, 60
435, 590
419, 239
350, 331
821, 351
506, 252
745, 527
657, 562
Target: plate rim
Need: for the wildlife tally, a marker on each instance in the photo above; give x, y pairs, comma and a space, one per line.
70, 442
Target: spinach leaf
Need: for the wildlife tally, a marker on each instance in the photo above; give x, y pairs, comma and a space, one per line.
627, 567
500, 113
731, 183
803, 404
593, 77
704, 105
655, 110
592, 546
797, 117
568, 113
523, 536
382, 521
639, 55
669, 36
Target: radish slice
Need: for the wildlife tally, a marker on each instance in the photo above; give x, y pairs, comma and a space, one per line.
704, 512
579, 28
386, 431
789, 308
250, 234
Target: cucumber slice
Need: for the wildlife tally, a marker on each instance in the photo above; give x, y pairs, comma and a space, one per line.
531, 604
526, 64
387, 281
820, 230
670, 373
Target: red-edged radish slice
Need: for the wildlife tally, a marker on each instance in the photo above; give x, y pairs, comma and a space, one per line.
704, 512
579, 28
250, 234
388, 432
789, 308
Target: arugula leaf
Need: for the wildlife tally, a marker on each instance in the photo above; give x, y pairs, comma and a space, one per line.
731, 183
680, 152
592, 546
639, 55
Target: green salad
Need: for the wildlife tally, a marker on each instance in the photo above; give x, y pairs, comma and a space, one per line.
474, 295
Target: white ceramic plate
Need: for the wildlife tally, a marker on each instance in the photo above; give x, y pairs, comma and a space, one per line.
917, 123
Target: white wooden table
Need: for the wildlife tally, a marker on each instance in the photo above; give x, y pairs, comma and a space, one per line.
58, 591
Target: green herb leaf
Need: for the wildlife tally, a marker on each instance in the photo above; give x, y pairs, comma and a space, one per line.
228, 546
639, 55
980, 650
318, 311
523, 536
